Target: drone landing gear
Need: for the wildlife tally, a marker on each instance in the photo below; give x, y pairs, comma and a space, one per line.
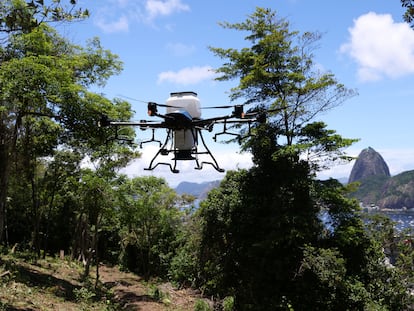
214, 163
163, 151
184, 155
238, 135
150, 140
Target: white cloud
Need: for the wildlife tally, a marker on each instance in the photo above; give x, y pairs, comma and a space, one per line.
120, 25
381, 47
156, 8
187, 76
116, 15
398, 160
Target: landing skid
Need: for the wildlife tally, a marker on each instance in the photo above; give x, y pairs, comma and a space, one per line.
194, 153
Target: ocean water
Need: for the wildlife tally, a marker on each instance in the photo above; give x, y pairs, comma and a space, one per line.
402, 219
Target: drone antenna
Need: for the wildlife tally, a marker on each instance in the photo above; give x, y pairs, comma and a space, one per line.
130, 98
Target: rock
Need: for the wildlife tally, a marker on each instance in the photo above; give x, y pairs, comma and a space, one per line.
368, 164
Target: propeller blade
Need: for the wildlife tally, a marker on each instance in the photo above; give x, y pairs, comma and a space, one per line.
218, 107
147, 102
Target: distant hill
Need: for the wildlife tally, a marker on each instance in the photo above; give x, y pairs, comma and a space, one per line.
398, 191
199, 190
377, 187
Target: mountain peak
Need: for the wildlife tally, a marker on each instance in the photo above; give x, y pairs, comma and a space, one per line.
369, 163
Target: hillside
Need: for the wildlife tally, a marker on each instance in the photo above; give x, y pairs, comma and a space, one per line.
395, 192
377, 187
199, 190
398, 192
55, 284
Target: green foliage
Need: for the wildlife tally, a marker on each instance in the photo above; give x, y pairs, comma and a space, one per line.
262, 239
149, 221
46, 111
183, 268
323, 147
83, 294
255, 226
24, 16
368, 281
201, 305
409, 11
277, 71
228, 303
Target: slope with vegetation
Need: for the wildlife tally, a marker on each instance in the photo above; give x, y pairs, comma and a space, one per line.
27, 283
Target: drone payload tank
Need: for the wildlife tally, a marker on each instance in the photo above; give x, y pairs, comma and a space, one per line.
184, 140
187, 101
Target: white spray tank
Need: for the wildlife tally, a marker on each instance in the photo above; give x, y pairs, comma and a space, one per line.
184, 101
184, 140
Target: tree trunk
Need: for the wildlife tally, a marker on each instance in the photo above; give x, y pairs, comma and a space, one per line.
4, 184
3, 189
8, 141
96, 245
49, 213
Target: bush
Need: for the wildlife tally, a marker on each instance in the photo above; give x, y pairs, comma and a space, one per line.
228, 303
202, 305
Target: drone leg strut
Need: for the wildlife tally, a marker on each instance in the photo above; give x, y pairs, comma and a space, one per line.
163, 152
214, 163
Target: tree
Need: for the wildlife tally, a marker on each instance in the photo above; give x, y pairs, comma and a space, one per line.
60, 176
45, 101
367, 282
96, 194
256, 226
263, 241
149, 220
278, 72
409, 11
24, 16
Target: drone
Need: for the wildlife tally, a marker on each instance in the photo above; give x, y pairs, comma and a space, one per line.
185, 128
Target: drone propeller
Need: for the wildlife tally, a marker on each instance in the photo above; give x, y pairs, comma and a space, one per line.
147, 102
218, 107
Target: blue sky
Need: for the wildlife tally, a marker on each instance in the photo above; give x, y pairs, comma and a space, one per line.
164, 47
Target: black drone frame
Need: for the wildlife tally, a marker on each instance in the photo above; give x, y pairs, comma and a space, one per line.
178, 121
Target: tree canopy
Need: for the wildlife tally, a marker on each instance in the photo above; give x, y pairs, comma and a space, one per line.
409, 11
263, 240
45, 100
277, 73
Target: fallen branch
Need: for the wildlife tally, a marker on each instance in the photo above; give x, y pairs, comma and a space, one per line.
5, 273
